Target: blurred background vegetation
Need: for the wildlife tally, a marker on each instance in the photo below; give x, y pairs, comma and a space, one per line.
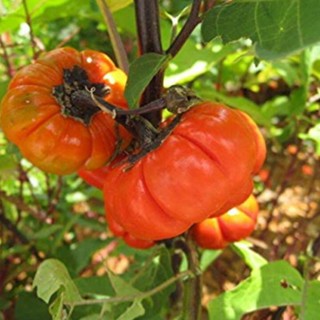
45, 216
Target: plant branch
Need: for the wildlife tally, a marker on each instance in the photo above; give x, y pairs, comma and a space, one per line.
140, 296
19, 235
114, 35
28, 20
23, 206
6, 58
149, 38
192, 21
192, 299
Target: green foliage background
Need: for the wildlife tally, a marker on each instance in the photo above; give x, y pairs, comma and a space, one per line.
62, 219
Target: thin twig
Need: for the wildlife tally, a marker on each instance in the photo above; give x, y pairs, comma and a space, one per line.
142, 295
192, 21
29, 23
68, 38
18, 234
6, 58
193, 285
114, 35
39, 215
54, 198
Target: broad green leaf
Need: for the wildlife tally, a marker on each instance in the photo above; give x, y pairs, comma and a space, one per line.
98, 286
298, 99
77, 257
133, 312
276, 27
141, 72
274, 284
115, 5
13, 19
49, 10
207, 257
151, 275
251, 258
121, 287
52, 276
23, 311
311, 301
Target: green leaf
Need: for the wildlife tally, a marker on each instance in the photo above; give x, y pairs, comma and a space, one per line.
94, 286
314, 134
276, 27
115, 5
121, 287
274, 284
23, 311
151, 275
251, 258
133, 312
8, 165
298, 99
56, 307
310, 310
52, 276
46, 231
141, 71
207, 257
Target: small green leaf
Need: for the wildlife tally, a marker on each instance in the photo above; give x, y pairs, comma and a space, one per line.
251, 258
277, 28
46, 231
52, 276
115, 5
56, 308
274, 284
121, 287
98, 286
314, 134
141, 72
207, 257
310, 310
133, 312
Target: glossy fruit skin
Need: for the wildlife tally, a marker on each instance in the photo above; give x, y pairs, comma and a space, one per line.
31, 117
130, 240
237, 224
203, 167
94, 178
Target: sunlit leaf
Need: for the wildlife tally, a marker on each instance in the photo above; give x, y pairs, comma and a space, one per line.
251, 258
274, 284
52, 276
141, 71
133, 312
311, 302
276, 27
207, 257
